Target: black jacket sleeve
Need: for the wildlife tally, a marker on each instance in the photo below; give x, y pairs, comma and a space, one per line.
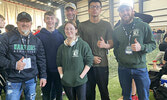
146, 18
41, 60
5, 62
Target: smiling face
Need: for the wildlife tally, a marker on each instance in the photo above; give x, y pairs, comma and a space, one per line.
50, 21
126, 15
70, 31
94, 9
24, 26
70, 13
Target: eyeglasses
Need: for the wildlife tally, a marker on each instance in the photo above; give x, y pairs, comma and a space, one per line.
97, 7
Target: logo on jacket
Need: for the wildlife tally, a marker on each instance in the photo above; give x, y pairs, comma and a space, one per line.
136, 32
23, 48
75, 53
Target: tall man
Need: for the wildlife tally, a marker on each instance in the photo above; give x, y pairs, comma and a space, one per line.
51, 40
22, 56
70, 13
132, 40
97, 33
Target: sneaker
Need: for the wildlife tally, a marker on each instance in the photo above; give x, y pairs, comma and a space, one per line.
63, 93
135, 97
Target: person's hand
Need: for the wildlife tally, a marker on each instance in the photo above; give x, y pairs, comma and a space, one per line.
42, 82
136, 46
81, 76
97, 60
101, 43
20, 64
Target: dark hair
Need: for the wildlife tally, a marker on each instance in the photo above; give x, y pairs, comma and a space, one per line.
49, 13
70, 22
38, 26
9, 27
2, 17
94, 1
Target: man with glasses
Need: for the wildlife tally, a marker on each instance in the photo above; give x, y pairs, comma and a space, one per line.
97, 33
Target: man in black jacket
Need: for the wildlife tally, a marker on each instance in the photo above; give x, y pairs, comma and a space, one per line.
22, 56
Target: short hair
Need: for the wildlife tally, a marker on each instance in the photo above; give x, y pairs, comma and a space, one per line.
2, 17
94, 1
38, 26
9, 27
49, 13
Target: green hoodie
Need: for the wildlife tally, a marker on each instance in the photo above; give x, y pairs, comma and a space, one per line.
143, 33
73, 60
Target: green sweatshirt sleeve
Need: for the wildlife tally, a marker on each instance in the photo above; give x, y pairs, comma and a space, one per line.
87, 55
149, 43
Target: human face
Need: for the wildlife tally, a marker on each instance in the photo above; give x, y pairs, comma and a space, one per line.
50, 21
24, 26
126, 15
70, 13
2, 23
94, 9
70, 31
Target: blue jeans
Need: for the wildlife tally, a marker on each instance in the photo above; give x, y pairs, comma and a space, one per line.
141, 77
78, 91
14, 90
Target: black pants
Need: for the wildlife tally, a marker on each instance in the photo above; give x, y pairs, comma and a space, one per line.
99, 76
53, 87
76, 93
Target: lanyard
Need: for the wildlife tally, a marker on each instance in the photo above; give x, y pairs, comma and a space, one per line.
27, 43
130, 33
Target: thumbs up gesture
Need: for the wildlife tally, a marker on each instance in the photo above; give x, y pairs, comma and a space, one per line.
20, 64
101, 43
136, 46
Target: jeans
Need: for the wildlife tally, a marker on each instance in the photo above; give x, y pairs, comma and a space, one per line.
99, 76
53, 87
78, 91
14, 90
141, 78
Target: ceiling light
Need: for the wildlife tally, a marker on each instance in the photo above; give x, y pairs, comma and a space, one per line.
49, 4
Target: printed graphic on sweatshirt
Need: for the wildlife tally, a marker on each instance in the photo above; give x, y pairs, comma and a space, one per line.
75, 53
136, 32
23, 48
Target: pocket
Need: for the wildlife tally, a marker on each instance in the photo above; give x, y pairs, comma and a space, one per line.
12, 86
69, 77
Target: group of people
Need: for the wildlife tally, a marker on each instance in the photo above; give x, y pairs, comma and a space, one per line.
74, 57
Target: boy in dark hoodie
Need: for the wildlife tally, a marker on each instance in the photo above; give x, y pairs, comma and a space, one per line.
51, 40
